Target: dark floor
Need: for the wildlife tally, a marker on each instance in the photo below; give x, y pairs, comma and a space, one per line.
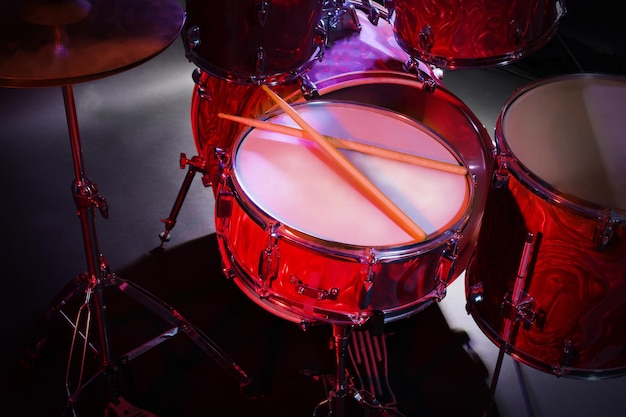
134, 125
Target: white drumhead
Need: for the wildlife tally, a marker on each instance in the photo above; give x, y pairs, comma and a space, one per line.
571, 134
292, 182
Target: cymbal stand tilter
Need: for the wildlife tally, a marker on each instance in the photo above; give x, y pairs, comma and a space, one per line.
343, 388
515, 305
87, 198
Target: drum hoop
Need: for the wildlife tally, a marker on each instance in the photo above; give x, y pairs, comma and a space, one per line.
260, 78
359, 78
497, 60
534, 182
527, 357
345, 250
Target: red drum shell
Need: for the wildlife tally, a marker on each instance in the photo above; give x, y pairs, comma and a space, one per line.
236, 41
577, 283
474, 33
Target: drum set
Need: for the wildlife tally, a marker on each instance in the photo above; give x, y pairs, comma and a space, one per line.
540, 235
535, 218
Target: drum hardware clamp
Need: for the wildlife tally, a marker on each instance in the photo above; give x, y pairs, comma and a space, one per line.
334, 13
517, 310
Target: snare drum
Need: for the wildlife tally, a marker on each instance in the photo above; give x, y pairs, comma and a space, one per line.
561, 177
474, 33
300, 240
254, 42
365, 68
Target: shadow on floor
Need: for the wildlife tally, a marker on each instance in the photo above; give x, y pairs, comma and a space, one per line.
428, 363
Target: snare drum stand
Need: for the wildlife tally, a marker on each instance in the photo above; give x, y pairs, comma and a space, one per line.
343, 387
87, 198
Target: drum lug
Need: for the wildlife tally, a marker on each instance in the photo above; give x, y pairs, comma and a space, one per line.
516, 38
260, 60
373, 15
568, 354
501, 174
390, 5
316, 293
222, 157
440, 291
227, 260
500, 180
604, 231
335, 13
413, 66
261, 12
223, 203
449, 258
192, 37
425, 40
308, 88
304, 325
367, 289
320, 40
475, 296
268, 262
202, 92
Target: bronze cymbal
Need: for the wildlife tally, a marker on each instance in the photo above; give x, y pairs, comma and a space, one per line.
47, 43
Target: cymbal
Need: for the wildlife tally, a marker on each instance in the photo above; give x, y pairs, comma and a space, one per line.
47, 43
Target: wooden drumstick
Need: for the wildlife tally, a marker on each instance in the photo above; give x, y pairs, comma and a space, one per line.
361, 181
352, 145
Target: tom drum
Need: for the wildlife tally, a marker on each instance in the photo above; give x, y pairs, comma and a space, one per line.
254, 42
474, 33
559, 198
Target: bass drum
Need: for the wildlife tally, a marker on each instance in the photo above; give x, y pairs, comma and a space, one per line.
549, 274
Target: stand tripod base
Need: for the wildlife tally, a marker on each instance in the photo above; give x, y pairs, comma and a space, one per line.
179, 326
123, 408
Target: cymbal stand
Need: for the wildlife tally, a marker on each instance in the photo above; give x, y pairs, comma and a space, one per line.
87, 198
512, 318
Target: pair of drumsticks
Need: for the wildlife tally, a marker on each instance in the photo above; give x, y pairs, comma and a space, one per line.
329, 146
